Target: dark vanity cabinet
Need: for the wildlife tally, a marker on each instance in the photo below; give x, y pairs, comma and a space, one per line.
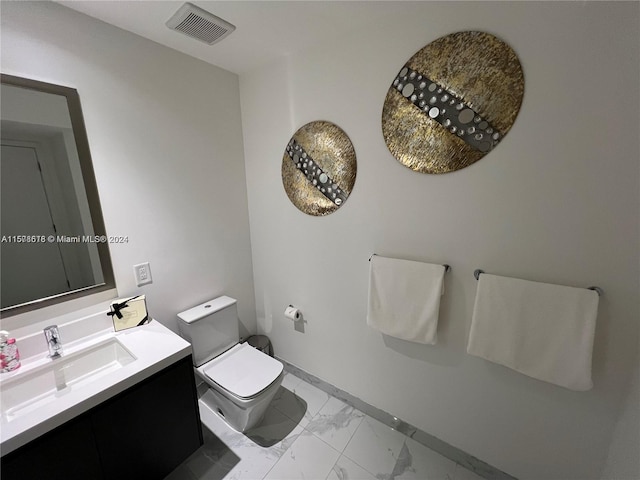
142, 433
66, 452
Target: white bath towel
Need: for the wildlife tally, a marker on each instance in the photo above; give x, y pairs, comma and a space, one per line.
404, 298
544, 331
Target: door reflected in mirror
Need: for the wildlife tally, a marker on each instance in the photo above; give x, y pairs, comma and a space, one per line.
53, 237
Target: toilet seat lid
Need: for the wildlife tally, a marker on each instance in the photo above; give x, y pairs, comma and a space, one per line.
243, 370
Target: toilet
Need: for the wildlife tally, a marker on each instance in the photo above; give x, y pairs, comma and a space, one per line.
242, 380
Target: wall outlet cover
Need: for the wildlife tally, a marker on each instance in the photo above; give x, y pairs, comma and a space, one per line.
142, 274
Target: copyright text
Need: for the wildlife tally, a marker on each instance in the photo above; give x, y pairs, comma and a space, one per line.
65, 239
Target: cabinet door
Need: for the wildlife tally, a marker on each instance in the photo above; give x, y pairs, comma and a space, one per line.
66, 453
147, 431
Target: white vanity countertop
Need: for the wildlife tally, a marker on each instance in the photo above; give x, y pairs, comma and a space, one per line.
154, 346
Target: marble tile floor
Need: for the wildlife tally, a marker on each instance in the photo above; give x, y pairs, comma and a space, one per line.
308, 434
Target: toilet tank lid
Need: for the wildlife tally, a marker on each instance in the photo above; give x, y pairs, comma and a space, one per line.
206, 309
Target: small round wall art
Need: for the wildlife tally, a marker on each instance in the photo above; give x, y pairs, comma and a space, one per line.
452, 102
319, 168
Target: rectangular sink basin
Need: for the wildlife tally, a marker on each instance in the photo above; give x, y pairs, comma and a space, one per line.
26, 393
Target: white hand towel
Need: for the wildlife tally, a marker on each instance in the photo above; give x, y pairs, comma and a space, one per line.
404, 298
544, 331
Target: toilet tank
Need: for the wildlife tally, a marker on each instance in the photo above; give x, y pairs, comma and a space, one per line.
211, 328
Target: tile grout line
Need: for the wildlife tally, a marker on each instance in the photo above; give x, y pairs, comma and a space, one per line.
276, 462
304, 429
283, 454
342, 454
454, 454
349, 442
330, 446
351, 459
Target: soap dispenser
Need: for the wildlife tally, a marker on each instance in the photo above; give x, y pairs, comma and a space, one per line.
9, 355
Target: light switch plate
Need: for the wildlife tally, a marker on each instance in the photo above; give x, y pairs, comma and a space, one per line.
142, 273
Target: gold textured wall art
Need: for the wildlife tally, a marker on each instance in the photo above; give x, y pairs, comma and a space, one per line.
319, 168
452, 102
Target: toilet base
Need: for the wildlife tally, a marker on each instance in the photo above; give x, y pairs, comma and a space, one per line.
239, 414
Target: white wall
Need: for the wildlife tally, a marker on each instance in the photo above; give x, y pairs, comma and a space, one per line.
556, 202
623, 461
165, 136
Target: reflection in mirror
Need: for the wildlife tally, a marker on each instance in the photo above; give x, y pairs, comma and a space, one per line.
50, 218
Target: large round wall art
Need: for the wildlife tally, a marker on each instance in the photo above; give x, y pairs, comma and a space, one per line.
319, 168
452, 102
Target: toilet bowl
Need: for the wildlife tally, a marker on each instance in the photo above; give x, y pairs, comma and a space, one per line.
242, 380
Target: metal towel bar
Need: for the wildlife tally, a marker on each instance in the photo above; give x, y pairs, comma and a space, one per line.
598, 290
447, 268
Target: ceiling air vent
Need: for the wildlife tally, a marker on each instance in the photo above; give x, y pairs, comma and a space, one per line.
199, 24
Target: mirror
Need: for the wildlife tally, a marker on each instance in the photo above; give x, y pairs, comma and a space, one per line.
54, 245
